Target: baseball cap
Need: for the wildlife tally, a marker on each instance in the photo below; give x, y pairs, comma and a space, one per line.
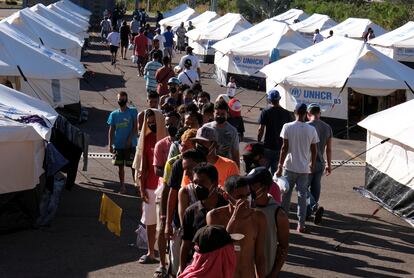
273, 95
301, 108
206, 134
188, 62
252, 150
211, 238
259, 174
174, 80
235, 107
224, 97
314, 106
189, 48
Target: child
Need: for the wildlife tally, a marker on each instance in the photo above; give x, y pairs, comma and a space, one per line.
231, 88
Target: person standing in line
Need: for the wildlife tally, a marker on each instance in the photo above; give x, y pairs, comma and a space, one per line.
105, 28
149, 73
271, 122
297, 160
163, 75
113, 39
161, 40
144, 17
134, 26
231, 87
180, 32
160, 17
122, 137
153, 100
141, 50
125, 33
195, 62
156, 49
188, 76
324, 146
317, 37
169, 42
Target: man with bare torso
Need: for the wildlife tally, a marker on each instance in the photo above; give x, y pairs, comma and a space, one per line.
239, 218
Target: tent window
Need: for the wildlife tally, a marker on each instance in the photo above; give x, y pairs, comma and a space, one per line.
57, 97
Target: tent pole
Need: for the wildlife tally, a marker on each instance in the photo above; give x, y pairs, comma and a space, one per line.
409, 87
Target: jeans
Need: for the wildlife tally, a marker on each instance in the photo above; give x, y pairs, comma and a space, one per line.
314, 191
272, 157
301, 182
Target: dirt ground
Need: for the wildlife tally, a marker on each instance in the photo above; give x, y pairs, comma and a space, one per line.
76, 245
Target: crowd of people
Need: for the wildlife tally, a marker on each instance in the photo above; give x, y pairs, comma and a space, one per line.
220, 212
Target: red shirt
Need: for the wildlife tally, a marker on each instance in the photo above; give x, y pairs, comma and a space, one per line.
162, 76
149, 146
141, 45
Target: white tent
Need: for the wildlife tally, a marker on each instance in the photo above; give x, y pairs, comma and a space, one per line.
308, 26
61, 21
354, 28
202, 19
70, 15
22, 145
176, 10
390, 163
226, 26
43, 31
51, 76
248, 51
397, 44
291, 15
175, 20
323, 73
76, 8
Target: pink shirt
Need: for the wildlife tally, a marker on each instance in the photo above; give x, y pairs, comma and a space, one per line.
161, 151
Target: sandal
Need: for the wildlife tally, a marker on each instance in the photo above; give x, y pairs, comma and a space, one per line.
161, 272
145, 259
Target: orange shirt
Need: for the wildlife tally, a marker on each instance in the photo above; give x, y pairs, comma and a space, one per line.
225, 167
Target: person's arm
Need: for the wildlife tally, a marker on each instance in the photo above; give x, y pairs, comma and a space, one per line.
134, 131
235, 152
163, 206
171, 205
283, 154
328, 150
260, 132
142, 178
140, 120
314, 154
111, 133
282, 222
135, 46
185, 249
183, 203
260, 259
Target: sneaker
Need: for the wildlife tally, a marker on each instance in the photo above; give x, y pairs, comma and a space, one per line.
301, 229
318, 215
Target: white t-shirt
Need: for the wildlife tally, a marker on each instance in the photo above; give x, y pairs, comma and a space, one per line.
231, 89
195, 62
186, 75
114, 38
161, 39
317, 38
300, 136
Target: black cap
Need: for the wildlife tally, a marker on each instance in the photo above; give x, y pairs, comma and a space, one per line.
259, 174
210, 238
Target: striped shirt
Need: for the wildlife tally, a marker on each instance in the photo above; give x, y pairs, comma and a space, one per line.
149, 75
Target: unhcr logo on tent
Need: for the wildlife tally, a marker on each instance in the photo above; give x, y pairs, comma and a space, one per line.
237, 59
296, 92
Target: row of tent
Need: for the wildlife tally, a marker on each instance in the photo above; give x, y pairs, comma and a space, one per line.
41, 49
303, 72
40, 55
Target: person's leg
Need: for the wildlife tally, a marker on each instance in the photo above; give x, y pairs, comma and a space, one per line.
315, 185
149, 219
151, 232
175, 246
291, 178
162, 245
121, 173
302, 189
125, 51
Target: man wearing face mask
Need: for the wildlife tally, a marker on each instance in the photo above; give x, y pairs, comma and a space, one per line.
277, 228
205, 179
206, 143
122, 137
153, 99
173, 92
202, 99
228, 138
238, 218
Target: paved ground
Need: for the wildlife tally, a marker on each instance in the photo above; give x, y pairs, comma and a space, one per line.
7, 12
78, 246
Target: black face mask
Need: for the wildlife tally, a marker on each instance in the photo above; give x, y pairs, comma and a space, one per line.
172, 130
153, 128
220, 119
202, 192
173, 90
202, 149
122, 102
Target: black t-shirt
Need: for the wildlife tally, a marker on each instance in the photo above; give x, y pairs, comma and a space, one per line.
175, 183
274, 118
124, 31
238, 123
195, 218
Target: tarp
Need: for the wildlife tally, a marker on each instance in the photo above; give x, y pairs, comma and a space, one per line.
202, 19
76, 8
61, 21
60, 9
307, 76
354, 28
291, 15
315, 21
175, 20
390, 163
175, 11
45, 32
398, 44
248, 51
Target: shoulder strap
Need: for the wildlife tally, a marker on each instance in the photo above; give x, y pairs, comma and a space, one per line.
188, 77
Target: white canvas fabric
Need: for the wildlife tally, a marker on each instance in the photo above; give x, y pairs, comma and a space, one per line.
175, 11
76, 8
291, 15
354, 28
61, 21
76, 11
315, 21
306, 76
248, 51
78, 19
397, 44
202, 19
45, 32
175, 20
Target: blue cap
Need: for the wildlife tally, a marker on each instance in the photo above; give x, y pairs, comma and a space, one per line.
273, 95
174, 80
